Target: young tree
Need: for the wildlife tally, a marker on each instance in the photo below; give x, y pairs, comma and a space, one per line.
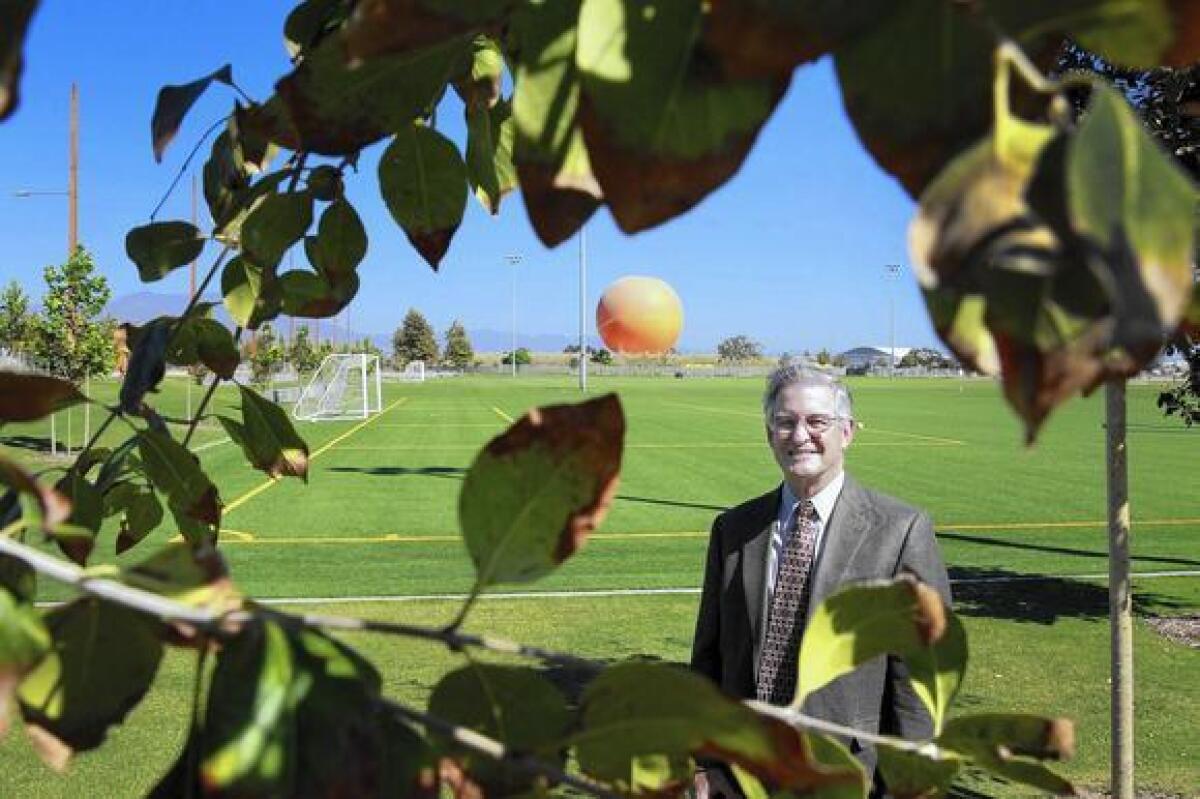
70, 339
524, 358
301, 353
266, 355
16, 323
601, 356
414, 340
458, 353
738, 349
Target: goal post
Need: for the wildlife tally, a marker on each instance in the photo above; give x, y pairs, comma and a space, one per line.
345, 386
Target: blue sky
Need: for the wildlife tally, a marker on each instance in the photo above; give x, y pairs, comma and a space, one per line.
790, 252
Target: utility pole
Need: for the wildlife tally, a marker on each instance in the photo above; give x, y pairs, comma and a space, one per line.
73, 241
512, 261
892, 273
192, 284
583, 355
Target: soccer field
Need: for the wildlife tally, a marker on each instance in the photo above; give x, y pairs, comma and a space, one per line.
1022, 530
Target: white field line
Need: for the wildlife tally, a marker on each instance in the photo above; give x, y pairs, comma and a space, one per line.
211, 444
620, 592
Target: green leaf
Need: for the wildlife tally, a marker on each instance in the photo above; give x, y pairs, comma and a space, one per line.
385, 27
913, 775
140, 511
172, 106
1129, 199
1012, 744
206, 341
250, 135
340, 243
252, 295
635, 710
557, 183
311, 21
42, 507
490, 167
1134, 35
29, 397
267, 437
191, 496
249, 743
535, 492
424, 184
274, 226
23, 641
195, 577
514, 705
312, 296
147, 361
663, 128
87, 513
339, 108
103, 661
161, 247
14, 21
479, 86
862, 622
18, 578
937, 671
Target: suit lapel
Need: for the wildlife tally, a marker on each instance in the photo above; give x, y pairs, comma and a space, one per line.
848, 529
754, 560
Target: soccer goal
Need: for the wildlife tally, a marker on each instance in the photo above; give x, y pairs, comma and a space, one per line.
345, 386
414, 371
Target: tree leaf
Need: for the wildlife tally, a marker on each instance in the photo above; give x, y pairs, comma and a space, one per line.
268, 439
190, 494
917, 775
862, 622
23, 641
140, 511
489, 161
424, 184
514, 705
386, 27
312, 296
206, 341
340, 243
338, 109
663, 129
535, 492
195, 577
42, 507
479, 86
147, 361
251, 133
172, 106
87, 513
29, 397
18, 577
252, 295
310, 22
1185, 49
937, 671
1011, 744
161, 247
1134, 35
557, 183
637, 709
14, 21
103, 661
274, 226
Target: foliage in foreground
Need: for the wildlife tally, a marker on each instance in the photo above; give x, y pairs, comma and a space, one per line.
1053, 251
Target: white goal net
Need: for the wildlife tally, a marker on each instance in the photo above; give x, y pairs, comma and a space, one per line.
345, 386
414, 371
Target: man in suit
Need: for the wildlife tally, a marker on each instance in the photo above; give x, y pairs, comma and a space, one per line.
773, 559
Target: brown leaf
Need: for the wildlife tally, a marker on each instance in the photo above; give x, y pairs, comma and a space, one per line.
645, 190
207, 507
55, 508
14, 20
792, 764
432, 245
53, 751
1185, 50
385, 27
29, 397
556, 210
460, 783
172, 106
931, 612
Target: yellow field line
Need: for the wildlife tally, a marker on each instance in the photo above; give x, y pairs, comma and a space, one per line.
254, 492
503, 415
918, 436
426, 424
236, 537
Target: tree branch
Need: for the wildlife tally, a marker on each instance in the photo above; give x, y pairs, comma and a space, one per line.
803, 721
208, 395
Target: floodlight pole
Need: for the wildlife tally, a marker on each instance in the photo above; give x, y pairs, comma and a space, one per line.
892, 272
1120, 593
583, 355
513, 260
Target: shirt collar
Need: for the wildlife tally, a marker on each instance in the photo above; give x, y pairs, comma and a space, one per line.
823, 501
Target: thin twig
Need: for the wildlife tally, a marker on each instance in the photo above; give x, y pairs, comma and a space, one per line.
208, 395
477, 742
112, 414
182, 169
795, 718
195, 300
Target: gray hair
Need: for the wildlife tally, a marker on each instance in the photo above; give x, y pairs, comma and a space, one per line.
792, 372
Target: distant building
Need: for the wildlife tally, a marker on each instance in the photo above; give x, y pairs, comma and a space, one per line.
868, 358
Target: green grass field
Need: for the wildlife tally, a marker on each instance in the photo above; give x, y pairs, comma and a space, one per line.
378, 519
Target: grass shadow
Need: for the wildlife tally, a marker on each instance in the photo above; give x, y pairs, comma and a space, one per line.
31, 443
1094, 554
1040, 599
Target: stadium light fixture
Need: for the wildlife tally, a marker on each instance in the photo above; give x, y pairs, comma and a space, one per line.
512, 261
892, 273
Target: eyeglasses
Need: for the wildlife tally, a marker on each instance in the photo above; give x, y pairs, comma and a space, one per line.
814, 423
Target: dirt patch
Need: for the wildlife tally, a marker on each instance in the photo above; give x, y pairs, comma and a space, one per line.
1180, 629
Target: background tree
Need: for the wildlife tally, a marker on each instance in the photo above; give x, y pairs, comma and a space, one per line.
16, 322
301, 353
823, 357
266, 354
414, 340
600, 355
738, 349
524, 357
458, 352
70, 339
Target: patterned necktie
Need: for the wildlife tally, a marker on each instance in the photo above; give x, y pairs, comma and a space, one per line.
777, 661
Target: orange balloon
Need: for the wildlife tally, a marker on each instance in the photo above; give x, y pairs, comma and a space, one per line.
639, 315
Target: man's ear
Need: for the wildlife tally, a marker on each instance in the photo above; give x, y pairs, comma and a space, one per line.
849, 428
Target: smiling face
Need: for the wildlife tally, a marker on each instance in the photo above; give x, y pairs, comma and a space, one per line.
809, 457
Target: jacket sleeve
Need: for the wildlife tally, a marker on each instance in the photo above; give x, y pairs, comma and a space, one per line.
903, 713
706, 653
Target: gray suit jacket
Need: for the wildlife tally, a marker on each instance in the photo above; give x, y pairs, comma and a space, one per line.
869, 536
